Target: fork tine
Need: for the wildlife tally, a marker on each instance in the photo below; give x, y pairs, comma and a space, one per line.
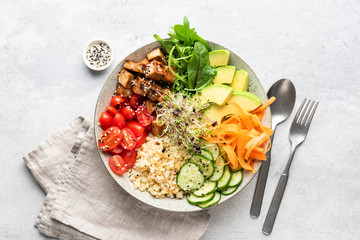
303, 112
299, 111
312, 115
307, 113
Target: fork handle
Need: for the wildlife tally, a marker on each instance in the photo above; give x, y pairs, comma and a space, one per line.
275, 204
260, 185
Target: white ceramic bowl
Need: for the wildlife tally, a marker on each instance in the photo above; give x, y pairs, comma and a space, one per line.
105, 95
92, 67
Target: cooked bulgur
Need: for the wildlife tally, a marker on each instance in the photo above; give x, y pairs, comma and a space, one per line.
156, 167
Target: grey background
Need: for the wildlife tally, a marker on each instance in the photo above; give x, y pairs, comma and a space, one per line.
44, 84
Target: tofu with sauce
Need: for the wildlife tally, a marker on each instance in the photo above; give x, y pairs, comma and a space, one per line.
123, 92
159, 72
155, 92
150, 105
144, 61
141, 86
135, 66
157, 129
125, 77
156, 55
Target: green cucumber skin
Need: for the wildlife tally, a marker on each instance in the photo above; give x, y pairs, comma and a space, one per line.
207, 154
223, 170
228, 181
200, 195
237, 184
177, 178
212, 172
205, 201
205, 205
223, 191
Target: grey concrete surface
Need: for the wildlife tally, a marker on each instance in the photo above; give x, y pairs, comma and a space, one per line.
44, 85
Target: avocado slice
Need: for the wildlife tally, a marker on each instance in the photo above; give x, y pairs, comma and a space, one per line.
224, 75
216, 93
246, 100
240, 81
219, 57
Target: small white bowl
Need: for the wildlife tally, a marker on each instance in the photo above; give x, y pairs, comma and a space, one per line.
92, 67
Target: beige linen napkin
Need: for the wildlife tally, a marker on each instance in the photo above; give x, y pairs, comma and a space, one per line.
84, 202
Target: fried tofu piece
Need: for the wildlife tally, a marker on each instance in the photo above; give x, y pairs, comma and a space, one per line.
150, 105
159, 72
155, 92
144, 61
135, 66
125, 77
156, 55
157, 129
141, 86
123, 92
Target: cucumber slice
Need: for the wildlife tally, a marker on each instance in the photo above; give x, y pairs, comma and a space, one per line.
229, 190
214, 149
214, 201
225, 179
219, 170
236, 178
190, 177
206, 166
192, 199
206, 153
205, 189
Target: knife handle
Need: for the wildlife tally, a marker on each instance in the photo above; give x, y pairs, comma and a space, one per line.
260, 185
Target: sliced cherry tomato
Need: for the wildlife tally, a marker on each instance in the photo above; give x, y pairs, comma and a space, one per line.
140, 140
135, 127
136, 100
109, 139
117, 164
117, 101
128, 112
119, 121
105, 120
143, 116
117, 150
128, 140
148, 127
111, 110
129, 157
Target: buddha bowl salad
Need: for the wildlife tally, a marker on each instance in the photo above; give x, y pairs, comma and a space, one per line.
182, 122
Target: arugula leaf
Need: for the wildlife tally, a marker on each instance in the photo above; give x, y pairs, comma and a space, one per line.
199, 71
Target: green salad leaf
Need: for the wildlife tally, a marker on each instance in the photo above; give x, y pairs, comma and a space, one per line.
189, 54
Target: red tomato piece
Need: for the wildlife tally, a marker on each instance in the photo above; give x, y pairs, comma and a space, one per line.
143, 116
117, 101
128, 140
129, 157
109, 139
140, 140
135, 127
117, 164
117, 150
128, 112
111, 110
148, 127
105, 120
119, 121
136, 100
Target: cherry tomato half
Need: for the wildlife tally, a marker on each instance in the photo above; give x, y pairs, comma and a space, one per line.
105, 120
119, 121
117, 164
143, 115
117, 150
129, 157
109, 139
140, 140
117, 101
148, 127
128, 140
128, 112
136, 100
136, 127
111, 110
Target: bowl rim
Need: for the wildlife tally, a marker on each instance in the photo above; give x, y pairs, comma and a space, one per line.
92, 42
165, 209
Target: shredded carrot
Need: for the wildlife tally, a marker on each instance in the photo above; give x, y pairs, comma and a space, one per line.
242, 137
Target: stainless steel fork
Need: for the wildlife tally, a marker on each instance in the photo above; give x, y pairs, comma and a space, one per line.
298, 131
